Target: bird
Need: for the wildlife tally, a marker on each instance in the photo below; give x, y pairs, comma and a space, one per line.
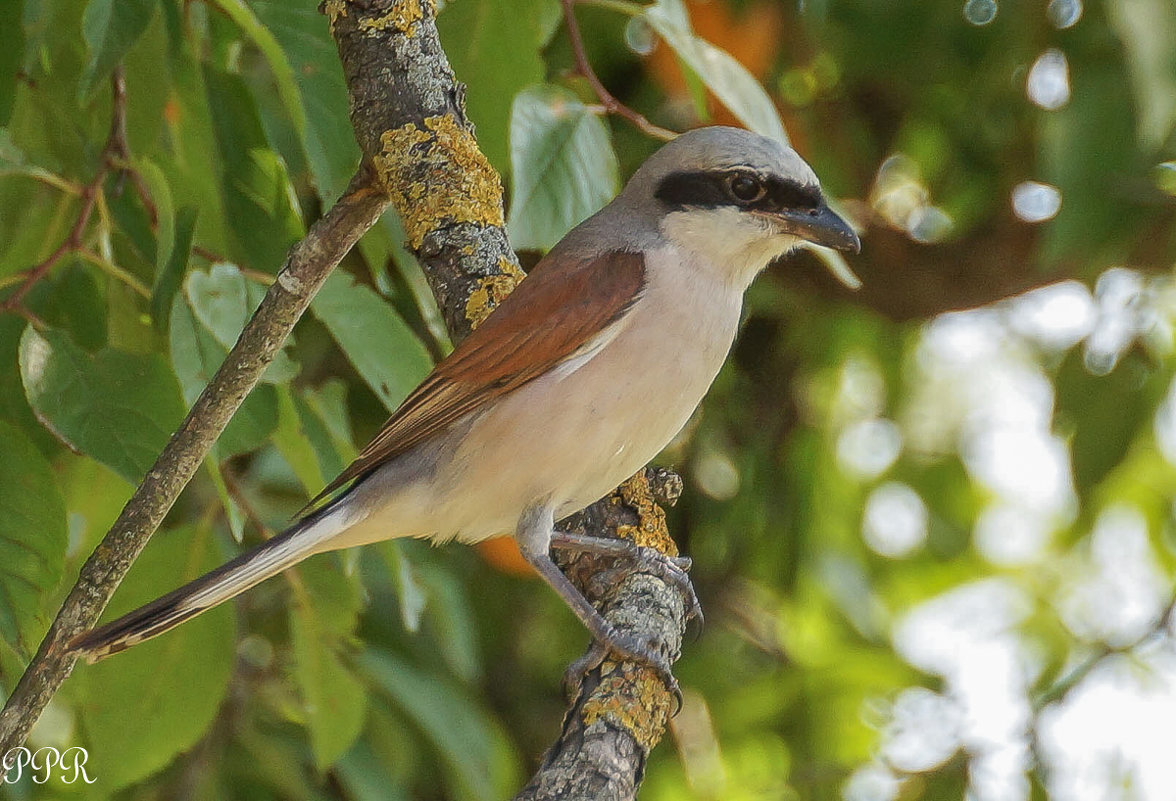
575, 381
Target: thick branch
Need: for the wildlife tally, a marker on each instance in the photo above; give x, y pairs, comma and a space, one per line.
450, 199
420, 154
905, 280
409, 117
620, 710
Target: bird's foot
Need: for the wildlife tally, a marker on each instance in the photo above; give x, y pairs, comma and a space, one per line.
671, 569
628, 647
536, 538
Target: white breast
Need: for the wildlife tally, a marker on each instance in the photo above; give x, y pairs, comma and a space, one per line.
573, 435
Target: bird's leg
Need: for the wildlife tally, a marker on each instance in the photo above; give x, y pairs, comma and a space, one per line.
672, 569
534, 536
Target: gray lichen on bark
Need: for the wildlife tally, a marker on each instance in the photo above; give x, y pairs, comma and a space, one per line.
421, 157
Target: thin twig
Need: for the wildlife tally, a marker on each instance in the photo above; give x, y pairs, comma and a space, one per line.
115, 272
43, 176
610, 103
30, 316
115, 149
207, 254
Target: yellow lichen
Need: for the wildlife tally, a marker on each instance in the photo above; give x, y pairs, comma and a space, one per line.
491, 290
403, 18
438, 176
630, 697
651, 530
334, 9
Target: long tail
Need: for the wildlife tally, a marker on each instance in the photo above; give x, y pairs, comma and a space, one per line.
301, 540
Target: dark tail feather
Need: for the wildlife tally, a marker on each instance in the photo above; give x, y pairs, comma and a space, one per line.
227, 581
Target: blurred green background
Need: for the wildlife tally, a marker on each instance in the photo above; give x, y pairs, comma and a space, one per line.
932, 520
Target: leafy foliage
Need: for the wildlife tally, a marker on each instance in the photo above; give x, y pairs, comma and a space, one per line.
924, 541
32, 538
159, 694
117, 407
564, 166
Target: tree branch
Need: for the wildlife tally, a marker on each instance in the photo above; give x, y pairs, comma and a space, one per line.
419, 155
450, 200
306, 267
905, 280
114, 150
619, 711
606, 98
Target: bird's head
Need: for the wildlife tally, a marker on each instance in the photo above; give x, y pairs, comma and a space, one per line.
737, 198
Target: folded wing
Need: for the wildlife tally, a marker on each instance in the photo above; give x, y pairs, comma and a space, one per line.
548, 318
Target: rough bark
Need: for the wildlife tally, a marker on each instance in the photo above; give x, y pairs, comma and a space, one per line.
619, 711
450, 199
409, 117
421, 157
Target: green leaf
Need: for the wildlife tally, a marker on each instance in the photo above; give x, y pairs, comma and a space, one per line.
14, 407
192, 158
479, 761
110, 28
292, 442
132, 232
33, 538
169, 273
165, 229
1105, 413
327, 139
149, 89
221, 301
116, 407
12, 158
329, 403
279, 65
165, 240
319, 436
410, 592
383, 349
233, 513
732, 84
326, 607
12, 42
473, 33
1081, 152
155, 701
73, 301
366, 777
563, 165
195, 356
259, 202
448, 613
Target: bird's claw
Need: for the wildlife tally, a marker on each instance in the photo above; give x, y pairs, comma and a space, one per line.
630, 648
671, 569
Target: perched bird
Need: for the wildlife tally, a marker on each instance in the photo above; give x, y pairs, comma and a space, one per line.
579, 377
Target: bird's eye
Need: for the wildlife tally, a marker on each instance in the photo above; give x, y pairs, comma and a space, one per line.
745, 188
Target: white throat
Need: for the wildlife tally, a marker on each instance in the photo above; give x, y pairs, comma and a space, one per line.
736, 243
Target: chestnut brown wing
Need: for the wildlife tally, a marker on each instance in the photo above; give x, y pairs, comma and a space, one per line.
559, 307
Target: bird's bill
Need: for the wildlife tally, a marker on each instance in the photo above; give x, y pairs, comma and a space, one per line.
821, 226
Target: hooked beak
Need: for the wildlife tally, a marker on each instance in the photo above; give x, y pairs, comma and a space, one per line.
820, 226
